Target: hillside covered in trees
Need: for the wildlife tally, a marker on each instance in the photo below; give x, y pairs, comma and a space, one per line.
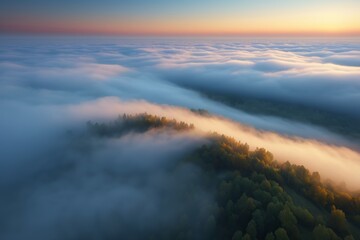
255, 196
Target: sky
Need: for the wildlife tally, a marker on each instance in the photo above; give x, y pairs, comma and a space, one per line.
201, 17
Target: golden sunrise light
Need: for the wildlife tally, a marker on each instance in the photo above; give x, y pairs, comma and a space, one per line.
260, 19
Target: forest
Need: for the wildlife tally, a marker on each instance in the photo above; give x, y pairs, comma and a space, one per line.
255, 196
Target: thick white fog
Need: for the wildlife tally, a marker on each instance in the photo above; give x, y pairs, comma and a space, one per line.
50, 86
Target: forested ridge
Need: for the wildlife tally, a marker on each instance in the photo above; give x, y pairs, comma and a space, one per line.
256, 197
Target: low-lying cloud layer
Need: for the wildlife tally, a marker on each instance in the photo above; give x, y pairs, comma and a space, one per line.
327, 79
130, 187
49, 86
72, 70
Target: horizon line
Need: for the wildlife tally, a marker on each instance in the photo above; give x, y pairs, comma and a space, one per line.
156, 34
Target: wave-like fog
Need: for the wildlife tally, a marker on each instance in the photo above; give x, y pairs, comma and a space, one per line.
311, 73
49, 86
338, 163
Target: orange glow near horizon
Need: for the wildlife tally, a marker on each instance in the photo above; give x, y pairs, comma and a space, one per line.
327, 22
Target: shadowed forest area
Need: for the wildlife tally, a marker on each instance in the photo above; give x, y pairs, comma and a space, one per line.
343, 124
256, 197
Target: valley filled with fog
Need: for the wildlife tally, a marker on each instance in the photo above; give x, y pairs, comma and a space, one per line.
297, 98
